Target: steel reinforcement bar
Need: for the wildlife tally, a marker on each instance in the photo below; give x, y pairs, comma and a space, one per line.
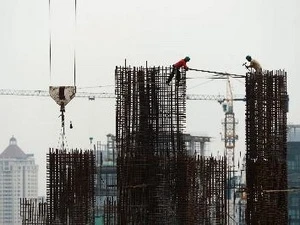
70, 187
266, 166
157, 181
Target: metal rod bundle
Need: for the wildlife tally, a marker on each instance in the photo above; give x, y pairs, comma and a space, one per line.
266, 167
70, 187
157, 181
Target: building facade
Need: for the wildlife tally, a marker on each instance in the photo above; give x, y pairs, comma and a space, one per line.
18, 179
106, 181
293, 157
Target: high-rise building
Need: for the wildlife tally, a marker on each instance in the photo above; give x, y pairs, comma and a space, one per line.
18, 179
293, 159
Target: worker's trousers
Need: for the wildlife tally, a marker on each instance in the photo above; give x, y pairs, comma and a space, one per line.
178, 75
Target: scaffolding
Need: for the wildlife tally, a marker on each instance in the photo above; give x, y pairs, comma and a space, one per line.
266, 146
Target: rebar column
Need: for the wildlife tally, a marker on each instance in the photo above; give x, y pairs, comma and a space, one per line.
151, 164
266, 167
207, 202
70, 187
33, 212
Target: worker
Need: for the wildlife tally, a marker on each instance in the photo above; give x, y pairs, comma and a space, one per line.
176, 69
253, 64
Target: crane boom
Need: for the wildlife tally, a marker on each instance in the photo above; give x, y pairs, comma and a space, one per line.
43, 93
94, 95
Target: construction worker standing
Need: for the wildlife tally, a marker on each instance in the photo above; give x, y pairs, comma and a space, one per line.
176, 69
253, 64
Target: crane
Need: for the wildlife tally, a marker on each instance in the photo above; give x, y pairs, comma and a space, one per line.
229, 139
93, 95
229, 122
44, 93
226, 101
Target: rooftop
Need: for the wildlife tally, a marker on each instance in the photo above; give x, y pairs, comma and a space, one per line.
13, 150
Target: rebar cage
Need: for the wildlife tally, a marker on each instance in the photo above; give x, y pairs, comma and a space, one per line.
158, 182
266, 147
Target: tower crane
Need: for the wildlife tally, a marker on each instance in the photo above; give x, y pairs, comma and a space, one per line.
229, 139
229, 122
43, 93
227, 101
93, 95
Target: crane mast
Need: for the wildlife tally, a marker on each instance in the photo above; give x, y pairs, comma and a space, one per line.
229, 139
229, 121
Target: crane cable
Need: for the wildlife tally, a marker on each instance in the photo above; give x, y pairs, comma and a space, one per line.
62, 135
74, 60
50, 43
217, 74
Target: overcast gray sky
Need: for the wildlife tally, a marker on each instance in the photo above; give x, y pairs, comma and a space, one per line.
216, 34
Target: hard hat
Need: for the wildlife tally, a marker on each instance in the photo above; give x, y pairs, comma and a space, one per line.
187, 59
248, 57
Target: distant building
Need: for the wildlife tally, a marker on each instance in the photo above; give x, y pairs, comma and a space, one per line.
240, 195
18, 179
196, 145
293, 160
106, 179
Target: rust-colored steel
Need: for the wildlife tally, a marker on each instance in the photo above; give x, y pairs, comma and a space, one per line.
70, 187
266, 167
110, 211
150, 169
156, 178
33, 212
207, 202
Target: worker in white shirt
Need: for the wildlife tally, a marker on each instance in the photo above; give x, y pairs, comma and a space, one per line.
253, 64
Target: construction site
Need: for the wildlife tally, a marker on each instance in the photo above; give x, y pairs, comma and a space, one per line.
152, 172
